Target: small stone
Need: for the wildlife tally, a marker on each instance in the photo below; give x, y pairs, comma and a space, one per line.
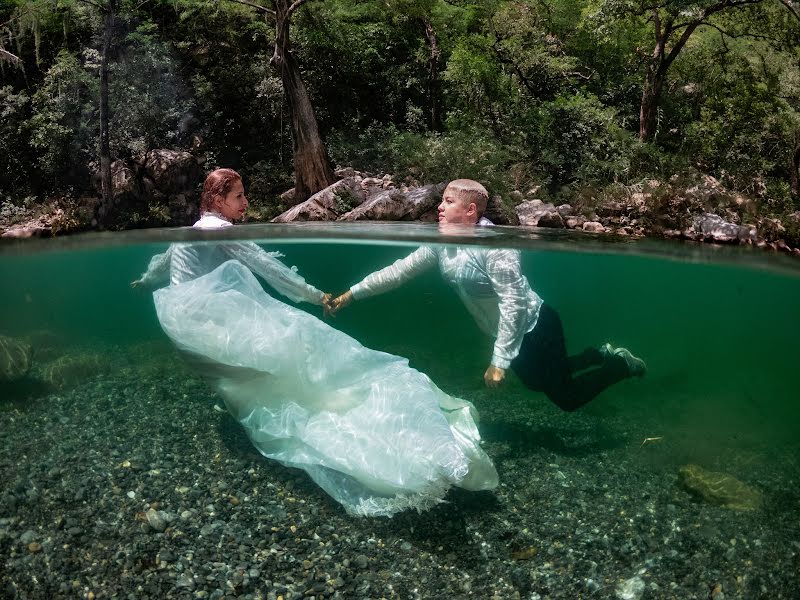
156, 519
34, 547
361, 561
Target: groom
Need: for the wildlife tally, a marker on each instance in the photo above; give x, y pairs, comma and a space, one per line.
528, 335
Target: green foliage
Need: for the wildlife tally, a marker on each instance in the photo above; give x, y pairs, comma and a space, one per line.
346, 201
529, 92
580, 139
264, 182
13, 116
147, 96
62, 124
424, 158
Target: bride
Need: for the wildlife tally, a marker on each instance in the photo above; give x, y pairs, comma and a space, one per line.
375, 434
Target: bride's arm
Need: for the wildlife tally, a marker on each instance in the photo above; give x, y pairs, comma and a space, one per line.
157, 273
266, 265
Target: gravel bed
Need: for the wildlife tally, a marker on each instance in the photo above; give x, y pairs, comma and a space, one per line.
133, 485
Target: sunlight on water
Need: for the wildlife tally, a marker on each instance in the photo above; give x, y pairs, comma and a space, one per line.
717, 327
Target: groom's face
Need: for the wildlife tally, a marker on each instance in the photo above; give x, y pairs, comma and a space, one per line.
454, 211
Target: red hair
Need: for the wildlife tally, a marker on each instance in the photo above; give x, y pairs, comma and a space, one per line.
217, 184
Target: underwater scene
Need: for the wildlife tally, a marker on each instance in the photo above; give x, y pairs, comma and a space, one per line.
132, 465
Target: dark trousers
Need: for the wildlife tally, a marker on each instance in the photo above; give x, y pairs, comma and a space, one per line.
569, 381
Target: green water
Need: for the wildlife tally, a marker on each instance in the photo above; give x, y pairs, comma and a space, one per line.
720, 341
584, 504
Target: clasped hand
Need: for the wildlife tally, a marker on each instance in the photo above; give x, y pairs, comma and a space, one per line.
331, 305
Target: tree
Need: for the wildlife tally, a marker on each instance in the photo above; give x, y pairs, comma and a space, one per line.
672, 23
312, 167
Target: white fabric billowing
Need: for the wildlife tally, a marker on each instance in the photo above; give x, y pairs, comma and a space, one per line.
376, 434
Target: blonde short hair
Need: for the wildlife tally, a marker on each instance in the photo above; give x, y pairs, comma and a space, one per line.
469, 190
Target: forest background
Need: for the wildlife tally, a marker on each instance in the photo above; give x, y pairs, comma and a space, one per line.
579, 100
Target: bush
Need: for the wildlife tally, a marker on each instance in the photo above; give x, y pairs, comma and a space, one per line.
424, 158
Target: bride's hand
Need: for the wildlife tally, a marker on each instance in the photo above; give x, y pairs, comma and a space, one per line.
326, 304
340, 302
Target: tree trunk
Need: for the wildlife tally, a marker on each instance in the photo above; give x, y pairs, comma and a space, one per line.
105, 150
433, 76
649, 106
794, 166
312, 168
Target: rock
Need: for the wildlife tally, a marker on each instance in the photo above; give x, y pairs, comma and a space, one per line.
156, 519
718, 488
564, 210
72, 369
593, 227
396, 205
327, 204
26, 231
15, 359
531, 211
552, 220
173, 171
516, 196
372, 185
575, 222
124, 183
714, 228
771, 229
499, 213
631, 589
345, 172
287, 197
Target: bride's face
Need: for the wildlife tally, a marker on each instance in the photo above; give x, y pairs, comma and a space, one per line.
234, 204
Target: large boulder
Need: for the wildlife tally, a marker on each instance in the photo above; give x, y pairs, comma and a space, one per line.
535, 213
15, 359
124, 183
327, 204
711, 227
172, 171
395, 205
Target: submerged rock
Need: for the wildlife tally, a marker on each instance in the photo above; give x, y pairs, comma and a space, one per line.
718, 488
15, 359
631, 589
71, 370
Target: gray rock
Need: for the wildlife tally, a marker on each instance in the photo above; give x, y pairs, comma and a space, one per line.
531, 212
173, 171
714, 228
28, 536
564, 210
156, 520
395, 205
593, 227
327, 204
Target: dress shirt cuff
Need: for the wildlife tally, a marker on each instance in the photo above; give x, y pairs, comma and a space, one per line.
500, 363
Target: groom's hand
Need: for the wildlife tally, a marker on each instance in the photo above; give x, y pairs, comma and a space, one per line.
340, 302
494, 376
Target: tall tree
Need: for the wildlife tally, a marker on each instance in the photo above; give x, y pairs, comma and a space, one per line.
109, 10
672, 23
312, 167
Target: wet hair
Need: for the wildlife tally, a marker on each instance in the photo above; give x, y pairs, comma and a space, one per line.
218, 183
468, 190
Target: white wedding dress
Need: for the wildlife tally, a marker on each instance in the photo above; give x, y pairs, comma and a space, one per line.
375, 434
